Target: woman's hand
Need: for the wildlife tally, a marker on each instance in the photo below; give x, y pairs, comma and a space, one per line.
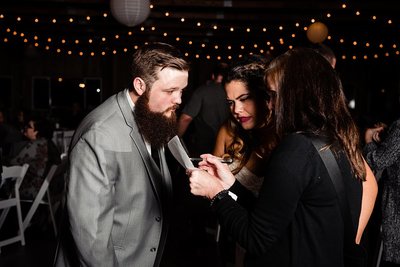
213, 166
203, 184
211, 178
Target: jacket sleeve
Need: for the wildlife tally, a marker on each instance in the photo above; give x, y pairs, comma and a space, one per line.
385, 154
90, 200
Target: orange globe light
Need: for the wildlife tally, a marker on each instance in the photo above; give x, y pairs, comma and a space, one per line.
317, 32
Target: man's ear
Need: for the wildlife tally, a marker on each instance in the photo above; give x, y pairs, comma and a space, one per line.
139, 86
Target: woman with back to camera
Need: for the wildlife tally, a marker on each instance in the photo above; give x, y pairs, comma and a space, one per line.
296, 220
249, 135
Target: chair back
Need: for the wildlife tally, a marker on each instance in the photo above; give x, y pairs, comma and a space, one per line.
14, 172
55, 170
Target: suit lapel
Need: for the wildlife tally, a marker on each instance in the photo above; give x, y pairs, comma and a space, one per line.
152, 169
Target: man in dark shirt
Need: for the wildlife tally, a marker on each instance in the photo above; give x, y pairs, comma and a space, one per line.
208, 109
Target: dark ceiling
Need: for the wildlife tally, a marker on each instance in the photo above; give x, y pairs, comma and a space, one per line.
258, 27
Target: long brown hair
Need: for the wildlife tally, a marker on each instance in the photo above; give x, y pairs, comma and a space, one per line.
250, 71
310, 99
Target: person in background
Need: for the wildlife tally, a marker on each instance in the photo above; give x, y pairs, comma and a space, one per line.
74, 117
382, 153
208, 110
119, 190
249, 136
9, 135
46, 129
296, 219
198, 124
326, 52
36, 151
20, 118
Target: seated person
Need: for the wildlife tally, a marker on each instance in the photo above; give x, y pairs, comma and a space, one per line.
33, 150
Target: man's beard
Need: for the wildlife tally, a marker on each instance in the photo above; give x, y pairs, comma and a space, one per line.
156, 128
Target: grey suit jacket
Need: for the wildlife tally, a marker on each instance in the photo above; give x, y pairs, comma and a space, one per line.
117, 197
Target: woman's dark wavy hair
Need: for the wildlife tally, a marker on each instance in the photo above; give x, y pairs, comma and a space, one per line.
310, 99
251, 72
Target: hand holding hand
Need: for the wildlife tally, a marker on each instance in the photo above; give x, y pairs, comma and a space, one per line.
213, 166
203, 184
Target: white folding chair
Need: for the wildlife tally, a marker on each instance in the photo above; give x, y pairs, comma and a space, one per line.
17, 174
39, 199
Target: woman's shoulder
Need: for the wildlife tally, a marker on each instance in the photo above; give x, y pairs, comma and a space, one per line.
296, 140
294, 147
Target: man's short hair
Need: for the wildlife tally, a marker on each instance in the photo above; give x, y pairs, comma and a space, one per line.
149, 59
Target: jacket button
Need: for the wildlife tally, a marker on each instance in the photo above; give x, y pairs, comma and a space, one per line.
153, 249
158, 219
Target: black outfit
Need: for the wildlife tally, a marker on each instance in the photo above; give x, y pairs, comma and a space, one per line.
296, 221
386, 156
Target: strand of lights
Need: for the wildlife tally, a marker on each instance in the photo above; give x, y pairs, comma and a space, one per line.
234, 29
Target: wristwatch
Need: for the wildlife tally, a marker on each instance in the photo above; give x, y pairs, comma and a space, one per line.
217, 198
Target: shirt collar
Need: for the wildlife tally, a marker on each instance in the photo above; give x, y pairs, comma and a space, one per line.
131, 104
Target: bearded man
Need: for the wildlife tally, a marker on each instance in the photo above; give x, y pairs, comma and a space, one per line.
118, 196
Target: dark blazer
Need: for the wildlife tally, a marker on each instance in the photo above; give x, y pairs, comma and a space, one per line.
117, 197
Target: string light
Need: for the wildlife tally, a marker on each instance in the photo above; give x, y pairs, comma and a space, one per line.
197, 44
